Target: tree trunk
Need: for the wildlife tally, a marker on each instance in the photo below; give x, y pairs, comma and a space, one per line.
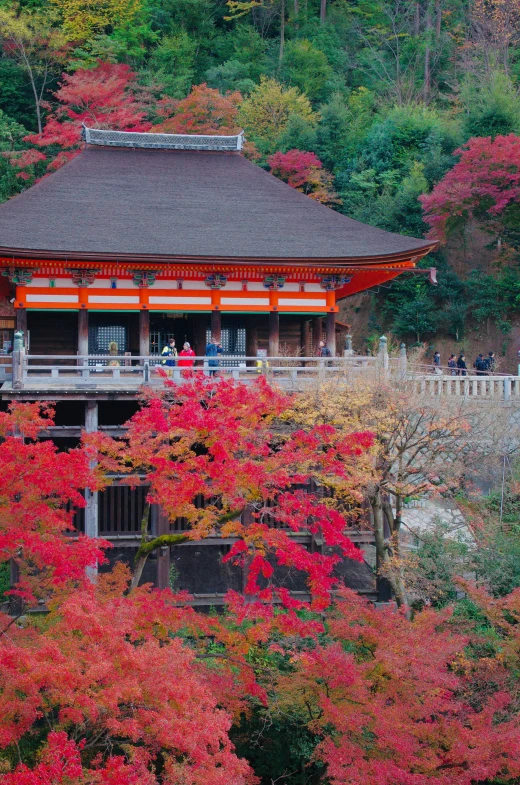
323, 11
438, 20
417, 20
427, 58
282, 33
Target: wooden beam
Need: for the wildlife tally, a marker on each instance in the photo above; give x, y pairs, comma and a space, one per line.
331, 332
216, 326
274, 333
83, 332
144, 333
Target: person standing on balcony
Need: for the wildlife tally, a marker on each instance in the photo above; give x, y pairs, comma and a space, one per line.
213, 349
169, 355
185, 356
323, 350
452, 365
461, 365
437, 363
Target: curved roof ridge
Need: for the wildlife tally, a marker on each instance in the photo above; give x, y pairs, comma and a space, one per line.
159, 141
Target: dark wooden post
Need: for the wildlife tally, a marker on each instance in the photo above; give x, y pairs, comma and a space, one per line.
216, 326
331, 333
91, 497
144, 333
163, 554
199, 335
83, 332
274, 333
252, 337
317, 333
21, 322
306, 338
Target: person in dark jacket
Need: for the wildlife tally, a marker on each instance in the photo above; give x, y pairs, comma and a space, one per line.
437, 363
480, 365
452, 365
213, 349
323, 350
461, 365
491, 362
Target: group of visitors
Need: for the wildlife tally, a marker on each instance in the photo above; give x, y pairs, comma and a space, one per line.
184, 359
484, 366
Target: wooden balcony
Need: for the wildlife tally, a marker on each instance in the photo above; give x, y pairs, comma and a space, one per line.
61, 377
73, 376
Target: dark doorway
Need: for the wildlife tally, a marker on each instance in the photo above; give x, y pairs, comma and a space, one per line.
183, 328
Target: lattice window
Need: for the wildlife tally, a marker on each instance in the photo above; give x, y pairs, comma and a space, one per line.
233, 342
101, 337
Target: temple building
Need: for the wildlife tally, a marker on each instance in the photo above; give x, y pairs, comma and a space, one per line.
144, 236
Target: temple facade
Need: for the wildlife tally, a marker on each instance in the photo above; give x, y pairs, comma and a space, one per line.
146, 236
143, 237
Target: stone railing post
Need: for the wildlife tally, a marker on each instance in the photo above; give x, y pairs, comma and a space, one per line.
507, 388
348, 351
382, 356
18, 360
403, 361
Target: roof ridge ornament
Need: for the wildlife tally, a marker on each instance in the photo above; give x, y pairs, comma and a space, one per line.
137, 139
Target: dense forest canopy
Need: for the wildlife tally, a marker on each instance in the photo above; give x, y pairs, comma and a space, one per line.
379, 108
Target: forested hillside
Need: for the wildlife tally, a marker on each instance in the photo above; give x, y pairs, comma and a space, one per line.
362, 105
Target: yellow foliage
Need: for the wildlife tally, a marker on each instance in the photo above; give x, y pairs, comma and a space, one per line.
84, 18
266, 112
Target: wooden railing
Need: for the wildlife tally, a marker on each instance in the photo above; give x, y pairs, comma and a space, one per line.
130, 372
135, 371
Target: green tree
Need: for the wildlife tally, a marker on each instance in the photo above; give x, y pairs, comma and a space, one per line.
265, 114
231, 76
306, 67
173, 64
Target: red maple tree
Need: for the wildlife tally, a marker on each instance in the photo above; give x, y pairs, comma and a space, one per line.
203, 111
39, 489
304, 171
215, 455
483, 185
101, 97
109, 692
391, 701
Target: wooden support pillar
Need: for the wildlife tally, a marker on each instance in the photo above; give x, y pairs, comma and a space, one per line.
252, 337
91, 497
317, 333
163, 554
274, 333
21, 322
306, 338
144, 333
331, 333
199, 335
216, 326
83, 332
